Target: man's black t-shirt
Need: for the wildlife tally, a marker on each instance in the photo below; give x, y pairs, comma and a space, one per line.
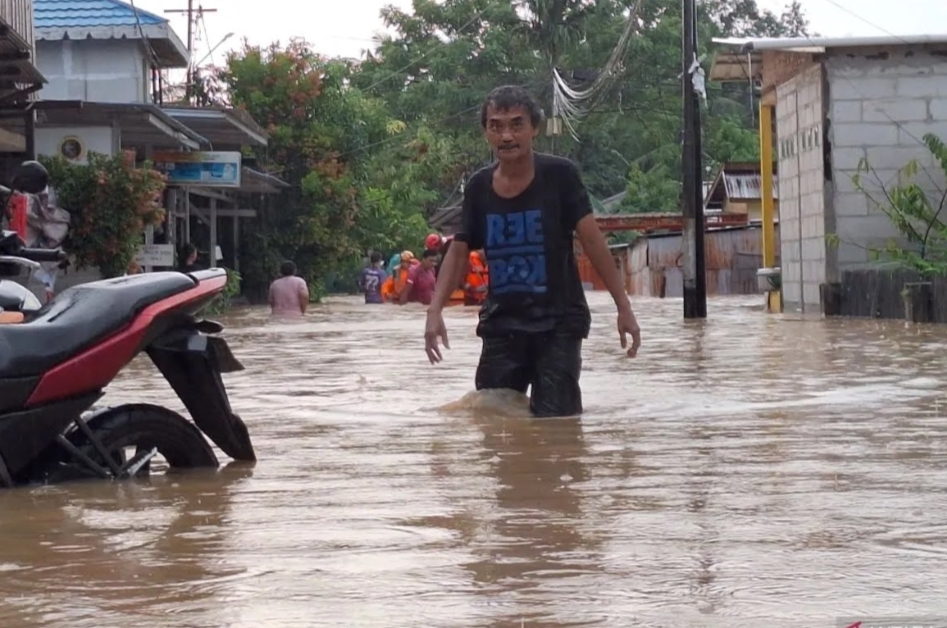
528, 241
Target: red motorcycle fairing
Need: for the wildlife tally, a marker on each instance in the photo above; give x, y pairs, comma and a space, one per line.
97, 366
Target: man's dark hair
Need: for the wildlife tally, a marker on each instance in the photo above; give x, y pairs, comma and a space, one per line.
287, 269
508, 97
429, 253
376, 257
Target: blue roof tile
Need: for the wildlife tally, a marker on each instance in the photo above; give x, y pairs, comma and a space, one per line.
89, 14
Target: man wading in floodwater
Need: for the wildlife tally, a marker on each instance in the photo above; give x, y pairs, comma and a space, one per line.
523, 212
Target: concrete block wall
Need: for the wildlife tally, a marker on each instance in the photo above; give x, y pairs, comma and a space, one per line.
802, 215
880, 105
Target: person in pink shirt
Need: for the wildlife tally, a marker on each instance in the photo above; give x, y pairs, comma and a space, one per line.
419, 288
289, 295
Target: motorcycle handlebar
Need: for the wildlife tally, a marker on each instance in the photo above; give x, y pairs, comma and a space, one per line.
43, 255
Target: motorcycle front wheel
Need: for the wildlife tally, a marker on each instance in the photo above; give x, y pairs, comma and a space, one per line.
128, 431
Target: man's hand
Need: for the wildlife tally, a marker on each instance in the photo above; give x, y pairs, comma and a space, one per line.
434, 329
628, 324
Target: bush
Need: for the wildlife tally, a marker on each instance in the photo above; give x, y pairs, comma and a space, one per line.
111, 202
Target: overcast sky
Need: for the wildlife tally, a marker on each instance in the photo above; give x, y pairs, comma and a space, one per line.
346, 27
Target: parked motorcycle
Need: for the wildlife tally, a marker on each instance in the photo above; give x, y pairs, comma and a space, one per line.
57, 359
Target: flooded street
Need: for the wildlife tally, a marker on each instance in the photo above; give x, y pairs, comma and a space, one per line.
747, 470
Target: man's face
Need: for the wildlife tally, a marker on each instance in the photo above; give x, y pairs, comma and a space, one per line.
428, 263
510, 132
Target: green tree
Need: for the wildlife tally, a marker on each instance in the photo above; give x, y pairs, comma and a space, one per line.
443, 58
328, 142
652, 191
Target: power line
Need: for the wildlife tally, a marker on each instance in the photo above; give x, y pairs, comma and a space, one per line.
191, 23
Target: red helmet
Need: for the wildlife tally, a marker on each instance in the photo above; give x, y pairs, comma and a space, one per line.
432, 242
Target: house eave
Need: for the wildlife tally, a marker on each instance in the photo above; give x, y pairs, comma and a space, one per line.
169, 49
821, 44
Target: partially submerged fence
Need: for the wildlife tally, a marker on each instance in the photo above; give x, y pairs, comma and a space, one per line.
888, 293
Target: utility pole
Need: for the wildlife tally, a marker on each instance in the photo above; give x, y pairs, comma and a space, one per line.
695, 275
192, 17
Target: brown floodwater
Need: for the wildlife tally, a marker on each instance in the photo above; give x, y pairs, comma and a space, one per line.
747, 470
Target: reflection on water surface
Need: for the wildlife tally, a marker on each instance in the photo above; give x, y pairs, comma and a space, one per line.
743, 471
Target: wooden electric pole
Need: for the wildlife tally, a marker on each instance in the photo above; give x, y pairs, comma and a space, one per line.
192, 16
695, 276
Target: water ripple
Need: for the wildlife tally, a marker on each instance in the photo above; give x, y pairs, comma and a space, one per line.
745, 470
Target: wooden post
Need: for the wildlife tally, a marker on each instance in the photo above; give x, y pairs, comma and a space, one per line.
236, 243
187, 214
918, 302
694, 267
213, 233
766, 188
149, 240
831, 296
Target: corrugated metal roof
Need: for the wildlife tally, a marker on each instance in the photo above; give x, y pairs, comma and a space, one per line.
747, 186
58, 20
89, 13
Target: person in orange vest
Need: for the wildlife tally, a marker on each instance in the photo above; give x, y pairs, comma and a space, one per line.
475, 286
391, 289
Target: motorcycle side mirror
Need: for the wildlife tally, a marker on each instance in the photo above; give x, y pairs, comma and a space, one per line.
30, 177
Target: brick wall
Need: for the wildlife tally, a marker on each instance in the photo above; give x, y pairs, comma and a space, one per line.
880, 104
802, 215
780, 66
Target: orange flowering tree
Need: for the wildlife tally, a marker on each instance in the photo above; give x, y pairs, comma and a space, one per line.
111, 202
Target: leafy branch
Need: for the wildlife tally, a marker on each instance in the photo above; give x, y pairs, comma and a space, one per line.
110, 202
914, 211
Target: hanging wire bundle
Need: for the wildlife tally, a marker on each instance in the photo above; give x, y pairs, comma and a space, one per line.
571, 105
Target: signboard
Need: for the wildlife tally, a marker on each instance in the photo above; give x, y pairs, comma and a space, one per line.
200, 168
156, 255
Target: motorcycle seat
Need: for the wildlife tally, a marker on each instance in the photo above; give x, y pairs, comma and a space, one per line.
81, 316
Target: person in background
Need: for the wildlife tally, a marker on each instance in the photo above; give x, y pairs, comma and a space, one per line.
392, 288
393, 263
289, 295
477, 281
433, 242
419, 287
188, 259
373, 276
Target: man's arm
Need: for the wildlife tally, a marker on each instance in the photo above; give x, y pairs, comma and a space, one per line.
271, 298
303, 296
596, 249
578, 215
454, 265
453, 269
